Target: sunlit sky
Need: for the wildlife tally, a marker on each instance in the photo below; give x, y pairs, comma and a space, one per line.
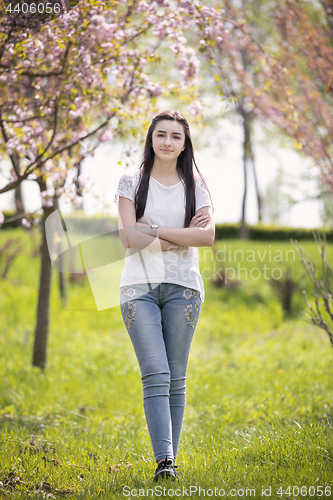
221, 164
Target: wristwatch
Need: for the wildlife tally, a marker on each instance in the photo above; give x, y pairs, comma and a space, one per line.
154, 228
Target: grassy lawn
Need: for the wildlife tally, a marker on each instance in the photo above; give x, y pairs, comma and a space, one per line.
259, 392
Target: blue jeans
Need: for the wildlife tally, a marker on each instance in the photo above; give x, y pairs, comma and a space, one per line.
161, 324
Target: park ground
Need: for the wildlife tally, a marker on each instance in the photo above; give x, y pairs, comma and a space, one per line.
259, 395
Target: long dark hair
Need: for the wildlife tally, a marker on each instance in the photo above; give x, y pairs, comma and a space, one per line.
185, 162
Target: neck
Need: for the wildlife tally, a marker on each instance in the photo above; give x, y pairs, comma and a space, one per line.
164, 169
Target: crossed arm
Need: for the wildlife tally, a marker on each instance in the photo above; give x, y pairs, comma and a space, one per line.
138, 234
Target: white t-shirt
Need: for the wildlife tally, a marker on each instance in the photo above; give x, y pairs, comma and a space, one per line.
165, 207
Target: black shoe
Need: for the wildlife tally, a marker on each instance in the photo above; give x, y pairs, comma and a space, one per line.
165, 469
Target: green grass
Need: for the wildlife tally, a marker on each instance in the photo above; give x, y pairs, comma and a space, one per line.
259, 394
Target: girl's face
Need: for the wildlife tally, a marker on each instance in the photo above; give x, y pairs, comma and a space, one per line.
168, 139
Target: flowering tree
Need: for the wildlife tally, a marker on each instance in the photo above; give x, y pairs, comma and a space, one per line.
294, 80
219, 42
64, 84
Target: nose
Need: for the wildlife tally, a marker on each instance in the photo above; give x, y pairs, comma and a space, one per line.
167, 141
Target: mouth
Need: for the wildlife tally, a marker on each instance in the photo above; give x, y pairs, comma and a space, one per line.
166, 150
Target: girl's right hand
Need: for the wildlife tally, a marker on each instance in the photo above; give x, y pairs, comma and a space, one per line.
199, 220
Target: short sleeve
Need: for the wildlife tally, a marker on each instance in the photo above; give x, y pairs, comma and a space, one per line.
125, 188
202, 196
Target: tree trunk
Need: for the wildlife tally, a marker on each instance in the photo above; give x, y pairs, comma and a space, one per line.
79, 190
19, 201
256, 182
62, 278
42, 326
243, 232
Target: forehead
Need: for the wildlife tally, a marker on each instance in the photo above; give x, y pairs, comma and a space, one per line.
169, 126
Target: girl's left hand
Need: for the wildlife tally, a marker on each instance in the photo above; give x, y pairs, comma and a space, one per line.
199, 220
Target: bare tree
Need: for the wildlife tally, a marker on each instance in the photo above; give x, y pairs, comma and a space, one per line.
322, 288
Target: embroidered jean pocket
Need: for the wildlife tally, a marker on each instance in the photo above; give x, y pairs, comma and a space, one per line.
192, 310
128, 310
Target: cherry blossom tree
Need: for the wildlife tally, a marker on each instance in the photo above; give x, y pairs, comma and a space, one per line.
63, 84
293, 81
300, 82
221, 52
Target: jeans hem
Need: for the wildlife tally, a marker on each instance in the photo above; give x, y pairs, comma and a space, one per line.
163, 456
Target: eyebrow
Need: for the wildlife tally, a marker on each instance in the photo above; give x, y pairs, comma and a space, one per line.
178, 133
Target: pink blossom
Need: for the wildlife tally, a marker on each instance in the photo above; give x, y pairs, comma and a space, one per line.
47, 199
150, 19
98, 19
159, 32
181, 63
78, 201
107, 136
196, 108
47, 202
10, 146
26, 223
143, 5
155, 89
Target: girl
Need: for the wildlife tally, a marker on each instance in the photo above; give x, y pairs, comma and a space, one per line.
165, 207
